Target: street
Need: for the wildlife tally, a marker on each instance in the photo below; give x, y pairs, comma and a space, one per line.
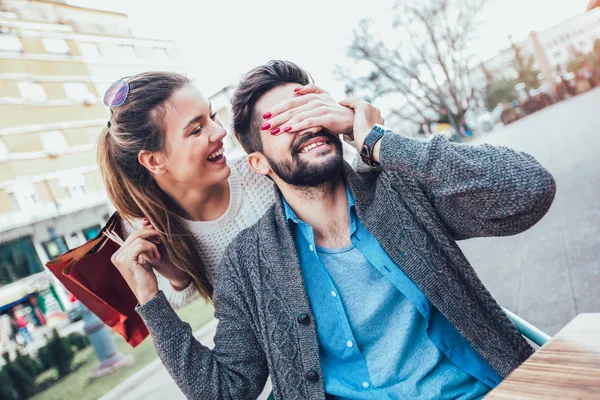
546, 275
550, 273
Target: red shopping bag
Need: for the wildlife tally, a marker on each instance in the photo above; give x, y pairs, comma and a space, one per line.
88, 273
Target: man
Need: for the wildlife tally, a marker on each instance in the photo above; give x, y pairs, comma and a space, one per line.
352, 286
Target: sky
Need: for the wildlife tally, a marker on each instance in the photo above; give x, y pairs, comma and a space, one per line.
223, 39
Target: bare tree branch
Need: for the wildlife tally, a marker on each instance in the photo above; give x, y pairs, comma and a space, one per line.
427, 66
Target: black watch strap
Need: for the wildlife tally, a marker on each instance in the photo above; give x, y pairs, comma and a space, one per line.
366, 152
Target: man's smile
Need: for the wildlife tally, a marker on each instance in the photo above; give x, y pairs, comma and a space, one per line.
312, 144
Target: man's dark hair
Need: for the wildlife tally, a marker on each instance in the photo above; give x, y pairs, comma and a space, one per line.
246, 125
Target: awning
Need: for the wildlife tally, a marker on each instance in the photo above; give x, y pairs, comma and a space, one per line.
16, 302
24, 287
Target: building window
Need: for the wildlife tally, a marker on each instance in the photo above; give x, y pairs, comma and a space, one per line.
18, 260
127, 52
160, 54
54, 143
26, 197
32, 91
582, 45
75, 185
3, 150
557, 55
15, 203
173, 54
10, 43
74, 240
91, 232
56, 46
89, 50
77, 91
76, 191
55, 247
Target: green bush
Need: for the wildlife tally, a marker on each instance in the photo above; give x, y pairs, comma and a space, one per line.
61, 353
7, 390
23, 383
78, 340
28, 364
44, 359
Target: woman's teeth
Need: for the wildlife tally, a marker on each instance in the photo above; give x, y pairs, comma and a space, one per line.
216, 154
311, 146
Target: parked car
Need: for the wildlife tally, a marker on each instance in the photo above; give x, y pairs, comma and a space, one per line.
444, 129
482, 121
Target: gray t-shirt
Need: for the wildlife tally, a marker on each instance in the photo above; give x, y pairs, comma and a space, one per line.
391, 335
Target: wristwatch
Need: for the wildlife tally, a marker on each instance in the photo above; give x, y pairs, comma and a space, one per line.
366, 152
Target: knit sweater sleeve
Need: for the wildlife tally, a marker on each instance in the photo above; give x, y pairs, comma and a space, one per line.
177, 298
478, 190
235, 369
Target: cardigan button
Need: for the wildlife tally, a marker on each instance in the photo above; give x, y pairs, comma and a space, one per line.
312, 376
303, 319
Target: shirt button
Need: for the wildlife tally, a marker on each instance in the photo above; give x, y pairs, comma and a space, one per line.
312, 376
303, 319
333, 293
349, 343
310, 247
366, 385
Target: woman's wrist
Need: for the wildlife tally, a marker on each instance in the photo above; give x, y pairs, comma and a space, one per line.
146, 295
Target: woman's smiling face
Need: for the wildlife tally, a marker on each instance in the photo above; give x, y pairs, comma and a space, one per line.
193, 148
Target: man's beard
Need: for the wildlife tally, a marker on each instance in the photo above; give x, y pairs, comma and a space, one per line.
298, 172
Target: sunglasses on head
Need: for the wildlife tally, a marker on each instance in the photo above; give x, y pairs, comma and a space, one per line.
117, 93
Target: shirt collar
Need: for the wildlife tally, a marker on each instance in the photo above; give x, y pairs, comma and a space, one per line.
290, 215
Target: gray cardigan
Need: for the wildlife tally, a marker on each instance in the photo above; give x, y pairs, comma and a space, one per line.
426, 196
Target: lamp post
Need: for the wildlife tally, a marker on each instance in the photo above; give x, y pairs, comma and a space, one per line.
104, 345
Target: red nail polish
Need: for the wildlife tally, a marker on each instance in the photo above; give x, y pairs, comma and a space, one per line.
287, 129
275, 131
267, 115
265, 126
298, 88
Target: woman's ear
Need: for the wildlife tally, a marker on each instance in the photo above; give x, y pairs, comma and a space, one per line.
259, 163
153, 162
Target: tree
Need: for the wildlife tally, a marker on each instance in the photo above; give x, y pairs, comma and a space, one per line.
524, 65
499, 91
579, 62
424, 61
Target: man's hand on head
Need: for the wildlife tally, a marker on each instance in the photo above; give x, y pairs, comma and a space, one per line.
366, 116
310, 107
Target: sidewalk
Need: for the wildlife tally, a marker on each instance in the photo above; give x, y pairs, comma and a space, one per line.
153, 382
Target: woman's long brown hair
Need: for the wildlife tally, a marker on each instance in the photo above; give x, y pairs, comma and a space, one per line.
134, 126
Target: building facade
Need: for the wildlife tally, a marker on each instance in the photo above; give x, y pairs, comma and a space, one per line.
56, 61
552, 50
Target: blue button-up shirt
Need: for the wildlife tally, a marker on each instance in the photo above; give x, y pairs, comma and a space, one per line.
350, 366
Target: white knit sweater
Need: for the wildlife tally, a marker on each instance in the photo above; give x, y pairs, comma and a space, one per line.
250, 196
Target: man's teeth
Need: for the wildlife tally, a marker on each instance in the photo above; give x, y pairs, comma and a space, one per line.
216, 154
311, 146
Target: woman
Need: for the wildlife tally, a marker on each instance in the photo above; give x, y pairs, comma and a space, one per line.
161, 159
